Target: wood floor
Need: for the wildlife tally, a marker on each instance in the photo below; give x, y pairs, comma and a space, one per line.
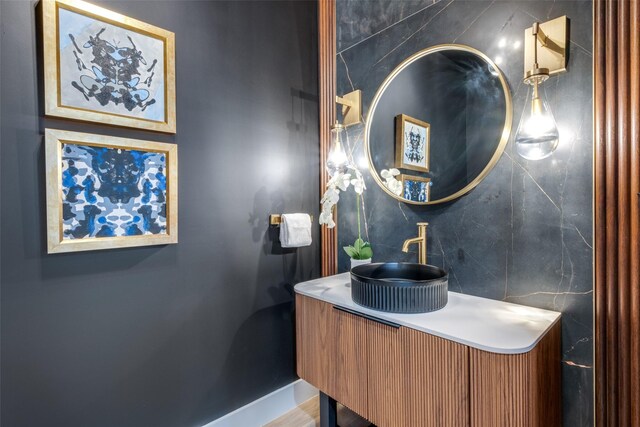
308, 415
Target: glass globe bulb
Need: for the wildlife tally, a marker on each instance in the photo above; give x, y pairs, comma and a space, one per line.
537, 136
337, 160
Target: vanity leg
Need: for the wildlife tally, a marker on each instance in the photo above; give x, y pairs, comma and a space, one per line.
328, 411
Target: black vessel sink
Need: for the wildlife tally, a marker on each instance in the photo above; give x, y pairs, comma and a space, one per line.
399, 287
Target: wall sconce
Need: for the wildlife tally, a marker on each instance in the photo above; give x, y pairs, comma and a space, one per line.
351, 108
545, 54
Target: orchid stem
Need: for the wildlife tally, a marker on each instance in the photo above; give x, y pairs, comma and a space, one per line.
358, 207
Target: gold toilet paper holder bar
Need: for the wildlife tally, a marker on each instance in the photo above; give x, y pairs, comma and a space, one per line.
276, 219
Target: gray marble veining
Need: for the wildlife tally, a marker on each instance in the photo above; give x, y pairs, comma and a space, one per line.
524, 235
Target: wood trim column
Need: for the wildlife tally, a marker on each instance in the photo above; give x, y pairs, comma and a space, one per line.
327, 87
617, 215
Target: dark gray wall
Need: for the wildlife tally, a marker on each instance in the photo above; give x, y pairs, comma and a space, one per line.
524, 234
168, 335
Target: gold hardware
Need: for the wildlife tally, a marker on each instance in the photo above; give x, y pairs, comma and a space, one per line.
351, 107
504, 138
421, 241
550, 48
276, 219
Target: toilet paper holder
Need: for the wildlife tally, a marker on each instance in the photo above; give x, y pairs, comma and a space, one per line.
276, 219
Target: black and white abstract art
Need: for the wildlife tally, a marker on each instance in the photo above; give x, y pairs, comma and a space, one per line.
109, 68
104, 67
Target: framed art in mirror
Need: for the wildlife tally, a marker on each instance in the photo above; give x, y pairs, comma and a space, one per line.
100, 66
415, 188
105, 192
412, 144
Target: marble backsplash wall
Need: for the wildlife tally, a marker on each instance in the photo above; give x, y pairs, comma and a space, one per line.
524, 235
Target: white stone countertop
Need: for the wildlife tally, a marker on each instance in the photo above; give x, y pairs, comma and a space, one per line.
490, 325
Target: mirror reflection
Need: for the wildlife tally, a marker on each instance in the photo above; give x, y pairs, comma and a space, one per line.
438, 124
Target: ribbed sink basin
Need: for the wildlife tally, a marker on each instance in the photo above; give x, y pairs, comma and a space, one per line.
399, 287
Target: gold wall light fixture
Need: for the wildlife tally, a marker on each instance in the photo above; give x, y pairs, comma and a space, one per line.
351, 107
351, 115
545, 53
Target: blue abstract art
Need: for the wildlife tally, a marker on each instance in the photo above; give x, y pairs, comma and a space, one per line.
112, 192
416, 190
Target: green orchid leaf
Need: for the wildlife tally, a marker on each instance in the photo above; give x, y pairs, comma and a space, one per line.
359, 243
351, 251
366, 253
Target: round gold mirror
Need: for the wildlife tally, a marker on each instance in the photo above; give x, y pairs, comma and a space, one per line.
438, 124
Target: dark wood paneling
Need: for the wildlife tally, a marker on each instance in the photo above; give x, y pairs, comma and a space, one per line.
617, 238
634, 267
518, 390
327, 89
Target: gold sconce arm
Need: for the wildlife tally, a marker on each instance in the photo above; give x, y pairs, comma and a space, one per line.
542, 37
549, 45
351, 107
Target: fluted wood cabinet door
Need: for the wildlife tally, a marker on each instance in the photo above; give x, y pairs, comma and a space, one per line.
437, 381
332, 352
518, 390
387, 375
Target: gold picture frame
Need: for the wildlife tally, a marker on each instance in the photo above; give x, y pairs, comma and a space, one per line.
403, 139
107, 81
71, 160
415, 196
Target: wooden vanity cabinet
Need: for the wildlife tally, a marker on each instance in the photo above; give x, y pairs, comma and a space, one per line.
392, 376
396, 376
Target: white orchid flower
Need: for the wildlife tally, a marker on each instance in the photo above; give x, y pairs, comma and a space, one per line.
343, 182
395, 186
326, 218
391, 182
389, 173
340, 182
331, 196
358, 185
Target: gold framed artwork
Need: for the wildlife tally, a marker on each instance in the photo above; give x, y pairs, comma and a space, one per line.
416, 188
105, 192
101, 66
412, 143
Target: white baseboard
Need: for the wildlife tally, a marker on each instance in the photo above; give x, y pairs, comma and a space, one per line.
269, 407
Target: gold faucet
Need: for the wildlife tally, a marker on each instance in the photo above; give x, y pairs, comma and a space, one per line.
421, 241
